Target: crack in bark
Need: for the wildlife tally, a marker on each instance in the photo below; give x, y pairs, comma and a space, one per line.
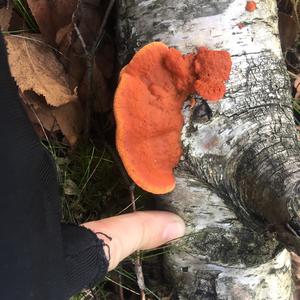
240, 113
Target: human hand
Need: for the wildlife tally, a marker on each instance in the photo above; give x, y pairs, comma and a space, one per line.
136, 231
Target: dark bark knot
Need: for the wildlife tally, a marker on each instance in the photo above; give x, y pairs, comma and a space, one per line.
199, 111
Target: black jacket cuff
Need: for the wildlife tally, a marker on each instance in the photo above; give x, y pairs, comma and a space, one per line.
85, 260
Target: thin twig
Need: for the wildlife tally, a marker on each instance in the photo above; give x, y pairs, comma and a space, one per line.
131, 187
140, 275
123, 286
132, 197
90, 57
137, 262
128, 206
83, 44
289, 227
102, 26
89, 71
121, 290
292, 74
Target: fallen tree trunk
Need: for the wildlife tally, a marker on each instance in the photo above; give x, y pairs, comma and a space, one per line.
237, 185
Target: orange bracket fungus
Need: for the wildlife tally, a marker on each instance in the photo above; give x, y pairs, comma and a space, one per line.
147, 106
212, 69
251, 6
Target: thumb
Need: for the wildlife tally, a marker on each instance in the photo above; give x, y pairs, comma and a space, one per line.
137, 231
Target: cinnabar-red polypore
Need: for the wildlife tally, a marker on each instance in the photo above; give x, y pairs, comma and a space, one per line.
148, 103
212, 69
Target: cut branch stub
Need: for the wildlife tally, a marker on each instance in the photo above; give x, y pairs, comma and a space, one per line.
148, 103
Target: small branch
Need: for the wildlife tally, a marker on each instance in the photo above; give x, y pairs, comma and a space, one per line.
121, 290
131, 188
89, 72
102, 26
292, 74
90, 55
83, 44
137, 263
123, 286
132, 197
140, 275
127, 207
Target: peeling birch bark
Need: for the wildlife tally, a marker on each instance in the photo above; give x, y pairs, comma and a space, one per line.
239, 178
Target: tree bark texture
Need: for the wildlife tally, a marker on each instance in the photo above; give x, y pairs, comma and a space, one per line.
237, 185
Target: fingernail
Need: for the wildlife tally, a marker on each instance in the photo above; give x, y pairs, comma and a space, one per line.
174, 230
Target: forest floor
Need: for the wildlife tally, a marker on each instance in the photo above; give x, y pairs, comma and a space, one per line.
77, 41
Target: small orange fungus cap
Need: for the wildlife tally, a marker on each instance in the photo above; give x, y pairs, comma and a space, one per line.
212, 69
147, 107
251, 6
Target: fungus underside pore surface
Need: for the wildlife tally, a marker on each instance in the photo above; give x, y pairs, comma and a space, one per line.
148, 104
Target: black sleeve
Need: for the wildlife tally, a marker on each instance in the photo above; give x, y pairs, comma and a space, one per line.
39, 257
85, 262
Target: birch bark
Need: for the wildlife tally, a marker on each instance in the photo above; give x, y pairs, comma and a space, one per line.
239, 177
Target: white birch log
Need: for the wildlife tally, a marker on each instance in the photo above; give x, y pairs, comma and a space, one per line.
239, 178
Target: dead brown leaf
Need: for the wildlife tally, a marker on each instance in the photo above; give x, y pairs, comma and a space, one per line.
51, 16
35, 67
66, 118
57, 22
42, 81
69, 119
39, 113
5, 17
